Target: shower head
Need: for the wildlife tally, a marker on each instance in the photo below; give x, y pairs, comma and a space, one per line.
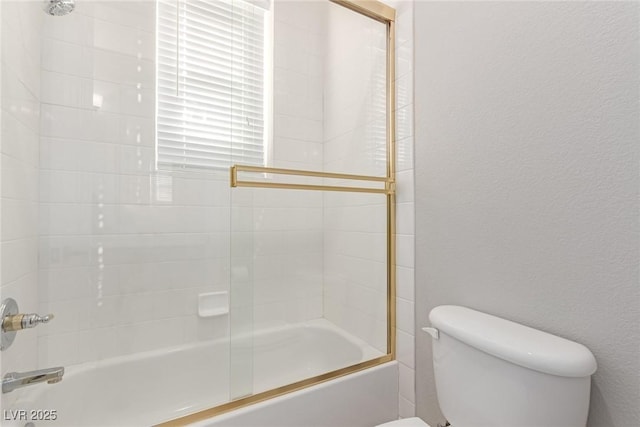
59, 7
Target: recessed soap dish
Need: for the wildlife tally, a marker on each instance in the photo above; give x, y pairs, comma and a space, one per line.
212, 304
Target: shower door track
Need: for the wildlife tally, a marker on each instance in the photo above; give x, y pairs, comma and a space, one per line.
380, 12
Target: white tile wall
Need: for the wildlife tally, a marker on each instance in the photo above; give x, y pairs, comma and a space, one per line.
405, 302
131, 239
20, 103
124, 250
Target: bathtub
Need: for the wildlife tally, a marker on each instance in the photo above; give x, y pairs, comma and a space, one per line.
148, 388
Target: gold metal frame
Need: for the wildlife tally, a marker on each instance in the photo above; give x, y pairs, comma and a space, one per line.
385, 14
235, 182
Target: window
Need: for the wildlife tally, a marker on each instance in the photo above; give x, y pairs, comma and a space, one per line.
210, 83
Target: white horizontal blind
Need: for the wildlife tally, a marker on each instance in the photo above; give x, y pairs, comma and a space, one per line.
210, 83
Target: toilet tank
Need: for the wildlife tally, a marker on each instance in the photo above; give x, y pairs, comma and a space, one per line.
496, 373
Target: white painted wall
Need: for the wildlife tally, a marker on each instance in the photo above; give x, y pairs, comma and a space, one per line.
20, 103
527, 179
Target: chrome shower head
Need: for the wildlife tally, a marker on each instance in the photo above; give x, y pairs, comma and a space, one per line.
59, 7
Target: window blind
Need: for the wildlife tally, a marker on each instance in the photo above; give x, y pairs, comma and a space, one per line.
210, 83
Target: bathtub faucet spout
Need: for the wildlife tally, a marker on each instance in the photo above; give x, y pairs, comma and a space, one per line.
14, 380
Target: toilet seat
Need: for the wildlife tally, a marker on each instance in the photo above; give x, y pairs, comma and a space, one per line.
405, 422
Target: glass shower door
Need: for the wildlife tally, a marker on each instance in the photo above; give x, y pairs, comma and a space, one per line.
310, 233
241, 316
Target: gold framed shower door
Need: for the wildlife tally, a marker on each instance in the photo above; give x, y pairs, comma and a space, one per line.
379, 11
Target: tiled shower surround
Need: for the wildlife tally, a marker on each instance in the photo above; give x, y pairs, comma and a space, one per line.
20, 126
124, 249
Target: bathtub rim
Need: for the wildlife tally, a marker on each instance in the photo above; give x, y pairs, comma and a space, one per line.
293, 401
276, 392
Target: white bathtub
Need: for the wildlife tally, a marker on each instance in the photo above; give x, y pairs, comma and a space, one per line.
148, 388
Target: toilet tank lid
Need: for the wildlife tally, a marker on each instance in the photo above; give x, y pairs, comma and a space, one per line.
514, 342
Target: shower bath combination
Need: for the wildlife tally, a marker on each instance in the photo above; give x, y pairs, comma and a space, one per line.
59, 7
161, 229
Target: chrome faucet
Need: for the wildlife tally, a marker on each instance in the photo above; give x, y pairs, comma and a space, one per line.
14, 380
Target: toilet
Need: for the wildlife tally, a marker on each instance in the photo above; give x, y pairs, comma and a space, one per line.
491, 372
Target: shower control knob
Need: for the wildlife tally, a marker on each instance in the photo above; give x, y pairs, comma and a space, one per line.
33, 320
18, 322
12, 321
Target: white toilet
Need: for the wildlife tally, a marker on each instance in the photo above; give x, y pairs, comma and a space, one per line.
491, 372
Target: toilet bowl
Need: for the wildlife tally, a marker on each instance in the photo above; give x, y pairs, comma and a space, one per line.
405, 422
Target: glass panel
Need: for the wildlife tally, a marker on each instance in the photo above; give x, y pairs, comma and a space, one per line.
354, 95
312, 264
355, 267
242, 290
316, 260
329, 89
